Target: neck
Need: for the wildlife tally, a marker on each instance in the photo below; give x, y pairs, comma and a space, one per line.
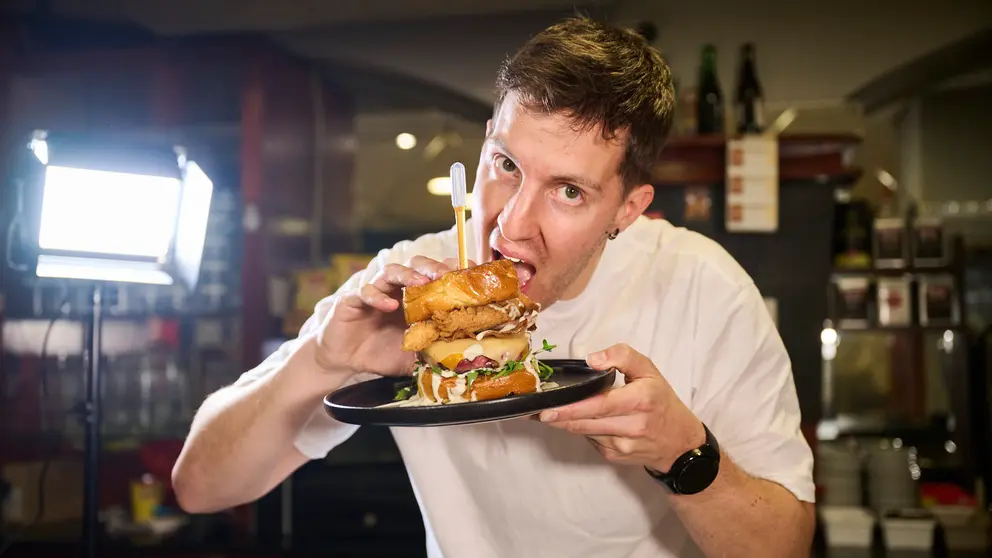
583, 279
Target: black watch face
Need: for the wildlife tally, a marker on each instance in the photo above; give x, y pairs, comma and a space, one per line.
697, 475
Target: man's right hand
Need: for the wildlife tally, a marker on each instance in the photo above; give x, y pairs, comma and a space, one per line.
239, 449
363, 330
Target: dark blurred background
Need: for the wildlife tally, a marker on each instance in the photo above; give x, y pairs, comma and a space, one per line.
322, 125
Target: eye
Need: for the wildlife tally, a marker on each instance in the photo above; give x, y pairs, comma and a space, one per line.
569, 194
504, 164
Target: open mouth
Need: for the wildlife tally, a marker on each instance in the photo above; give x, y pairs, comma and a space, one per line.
525, 271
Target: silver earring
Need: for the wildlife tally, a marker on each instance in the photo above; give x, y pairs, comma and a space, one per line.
612, 235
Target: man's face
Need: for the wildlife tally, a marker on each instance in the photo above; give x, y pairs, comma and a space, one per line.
547, 195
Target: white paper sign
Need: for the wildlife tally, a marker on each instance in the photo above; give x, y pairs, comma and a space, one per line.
752, 184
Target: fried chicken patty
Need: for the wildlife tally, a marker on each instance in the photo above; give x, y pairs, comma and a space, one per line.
505, 318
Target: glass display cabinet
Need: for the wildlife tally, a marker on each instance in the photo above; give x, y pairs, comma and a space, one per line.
898, 370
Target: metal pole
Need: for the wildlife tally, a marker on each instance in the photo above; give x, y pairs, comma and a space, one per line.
91, 470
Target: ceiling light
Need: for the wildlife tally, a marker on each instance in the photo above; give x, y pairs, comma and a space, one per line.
441, 186
406, 141
886, 179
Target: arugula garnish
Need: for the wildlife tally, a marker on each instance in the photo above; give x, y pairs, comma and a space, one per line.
544, 371
404, 393
470, 377
510, 367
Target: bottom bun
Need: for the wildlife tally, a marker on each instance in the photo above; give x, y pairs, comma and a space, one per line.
453, 389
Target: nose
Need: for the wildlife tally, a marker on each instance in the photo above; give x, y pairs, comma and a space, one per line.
519, 219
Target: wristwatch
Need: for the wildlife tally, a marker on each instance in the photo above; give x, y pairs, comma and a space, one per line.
694, 470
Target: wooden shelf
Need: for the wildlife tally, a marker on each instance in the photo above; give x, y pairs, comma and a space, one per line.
936, 428
893, 271
901, 329
702, 159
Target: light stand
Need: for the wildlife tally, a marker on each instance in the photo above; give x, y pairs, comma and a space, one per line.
91, 424
109, 211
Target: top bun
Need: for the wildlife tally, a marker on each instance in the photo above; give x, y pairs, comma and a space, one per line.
490, 282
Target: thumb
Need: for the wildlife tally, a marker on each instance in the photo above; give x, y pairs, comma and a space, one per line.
630, 363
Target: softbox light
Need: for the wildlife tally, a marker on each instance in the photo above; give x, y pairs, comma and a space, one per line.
111, 211
102, 210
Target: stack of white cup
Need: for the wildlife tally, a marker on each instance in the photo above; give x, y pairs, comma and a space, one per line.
892, 478
839, 472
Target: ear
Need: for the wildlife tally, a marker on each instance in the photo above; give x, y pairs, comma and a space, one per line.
489, 127
634, 205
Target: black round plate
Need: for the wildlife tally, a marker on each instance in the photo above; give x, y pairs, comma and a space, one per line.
362, 403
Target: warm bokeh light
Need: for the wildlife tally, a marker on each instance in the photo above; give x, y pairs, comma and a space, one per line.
406, 141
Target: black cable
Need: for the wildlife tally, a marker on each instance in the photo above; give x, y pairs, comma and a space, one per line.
43, 380
14, 228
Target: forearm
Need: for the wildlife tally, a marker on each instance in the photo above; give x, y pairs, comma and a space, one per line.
242, 435
739, 515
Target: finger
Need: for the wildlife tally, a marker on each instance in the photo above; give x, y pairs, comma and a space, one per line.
394, 276
628, 426
370, 295
615, 402
630, 363
365, 300
350, 299
426, 266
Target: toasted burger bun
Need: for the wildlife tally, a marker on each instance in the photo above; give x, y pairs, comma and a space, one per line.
495, 281
483, 388
465, 302
449, 353
446, 355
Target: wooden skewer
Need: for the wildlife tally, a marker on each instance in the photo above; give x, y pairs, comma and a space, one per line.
460, 226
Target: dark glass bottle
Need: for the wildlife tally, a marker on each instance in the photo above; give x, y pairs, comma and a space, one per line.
709, 104
749, 97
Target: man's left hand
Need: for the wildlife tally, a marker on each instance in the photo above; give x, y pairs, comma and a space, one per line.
642, 423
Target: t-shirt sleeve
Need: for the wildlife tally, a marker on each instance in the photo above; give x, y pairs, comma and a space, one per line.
321, 433
745, 392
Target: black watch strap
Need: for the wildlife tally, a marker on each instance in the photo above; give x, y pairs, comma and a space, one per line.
694, 470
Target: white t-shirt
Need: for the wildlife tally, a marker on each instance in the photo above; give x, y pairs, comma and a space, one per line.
519, 488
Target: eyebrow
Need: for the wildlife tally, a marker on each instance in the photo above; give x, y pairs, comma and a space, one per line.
502, 145
577, 181
558, 178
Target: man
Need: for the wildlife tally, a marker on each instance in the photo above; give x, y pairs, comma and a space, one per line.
582, 114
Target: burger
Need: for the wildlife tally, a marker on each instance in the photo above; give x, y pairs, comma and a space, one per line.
471, 329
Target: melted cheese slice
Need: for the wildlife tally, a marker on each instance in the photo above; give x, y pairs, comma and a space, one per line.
449, 353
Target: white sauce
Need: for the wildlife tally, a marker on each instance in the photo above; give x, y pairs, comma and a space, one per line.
436, 386
530, 365
472, 351
456, 392
503, 358
415, 401
513, 311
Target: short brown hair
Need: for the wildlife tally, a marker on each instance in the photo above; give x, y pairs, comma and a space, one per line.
597, 74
